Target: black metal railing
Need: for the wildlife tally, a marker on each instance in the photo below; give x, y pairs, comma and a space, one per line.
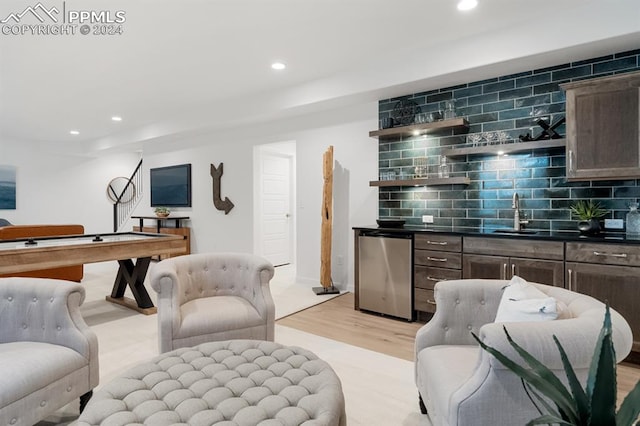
127, 199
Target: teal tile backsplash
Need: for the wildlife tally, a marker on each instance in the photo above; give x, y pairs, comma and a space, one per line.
511, 104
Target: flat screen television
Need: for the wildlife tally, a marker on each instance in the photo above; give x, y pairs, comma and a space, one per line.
171, 186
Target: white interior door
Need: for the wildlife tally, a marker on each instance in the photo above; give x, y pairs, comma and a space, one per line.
275, 196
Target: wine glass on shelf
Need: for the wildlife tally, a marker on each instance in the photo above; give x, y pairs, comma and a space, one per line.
502, 136
474, 139
491, 138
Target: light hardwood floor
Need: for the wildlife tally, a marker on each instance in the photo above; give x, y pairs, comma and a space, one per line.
337, 320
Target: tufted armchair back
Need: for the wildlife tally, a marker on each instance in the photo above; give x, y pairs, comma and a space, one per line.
47, 311
48, 354
183, 282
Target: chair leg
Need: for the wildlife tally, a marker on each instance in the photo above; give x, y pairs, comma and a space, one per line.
84, 399
423, 409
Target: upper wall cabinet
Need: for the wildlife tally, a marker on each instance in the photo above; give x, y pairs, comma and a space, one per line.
603, 119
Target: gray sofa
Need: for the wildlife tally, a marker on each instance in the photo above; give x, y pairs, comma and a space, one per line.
48, 355
461, 384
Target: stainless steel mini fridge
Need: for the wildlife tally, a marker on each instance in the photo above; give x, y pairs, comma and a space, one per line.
384, 265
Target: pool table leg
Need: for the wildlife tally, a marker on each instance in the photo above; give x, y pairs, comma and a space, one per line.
133, 274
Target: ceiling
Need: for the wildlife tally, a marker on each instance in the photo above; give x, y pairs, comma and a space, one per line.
188, 66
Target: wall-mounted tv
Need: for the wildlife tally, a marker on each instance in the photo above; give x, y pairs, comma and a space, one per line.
171, 186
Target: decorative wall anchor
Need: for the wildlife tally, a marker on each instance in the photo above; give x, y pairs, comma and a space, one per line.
548, 132
216, 174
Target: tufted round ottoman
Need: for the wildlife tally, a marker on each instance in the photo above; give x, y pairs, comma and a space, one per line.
234, 382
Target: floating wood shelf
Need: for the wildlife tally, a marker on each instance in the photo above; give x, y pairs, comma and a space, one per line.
422, 182
504, 148
419, 129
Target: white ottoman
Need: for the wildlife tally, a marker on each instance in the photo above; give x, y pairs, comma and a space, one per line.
234, 382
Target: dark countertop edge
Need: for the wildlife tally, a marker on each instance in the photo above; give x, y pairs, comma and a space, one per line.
567, 236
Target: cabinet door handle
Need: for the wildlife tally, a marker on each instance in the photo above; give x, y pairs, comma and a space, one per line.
513, 269
570, 161
504, 271
601, 253
431, 302
570, 272
437, 259
437, 243
436, 279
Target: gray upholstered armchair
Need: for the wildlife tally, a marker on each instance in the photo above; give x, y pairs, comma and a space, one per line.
48, 355
213, 296
460, 384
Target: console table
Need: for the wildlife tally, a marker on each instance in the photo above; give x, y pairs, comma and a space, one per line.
179, 229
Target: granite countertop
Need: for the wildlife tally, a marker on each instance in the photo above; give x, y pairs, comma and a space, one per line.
603, 237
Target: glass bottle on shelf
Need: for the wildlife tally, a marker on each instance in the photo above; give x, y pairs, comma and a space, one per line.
443, 168
633, 221
450, 109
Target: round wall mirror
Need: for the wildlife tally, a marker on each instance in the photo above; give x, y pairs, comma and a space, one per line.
120, 186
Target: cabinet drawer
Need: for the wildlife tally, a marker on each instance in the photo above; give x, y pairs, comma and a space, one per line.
424, 300
426, 277
610, 254
438, 242
517, 247
439, 259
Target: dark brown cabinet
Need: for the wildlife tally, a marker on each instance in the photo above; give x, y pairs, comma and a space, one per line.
603, 137
608, 272
436, 258
502, 258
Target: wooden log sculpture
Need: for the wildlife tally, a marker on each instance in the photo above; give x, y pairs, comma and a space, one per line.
327, 227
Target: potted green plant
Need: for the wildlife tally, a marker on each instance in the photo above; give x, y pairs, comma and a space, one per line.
593, 406
162, 211
589, 212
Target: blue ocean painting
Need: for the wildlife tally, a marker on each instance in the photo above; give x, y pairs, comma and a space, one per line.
7, 188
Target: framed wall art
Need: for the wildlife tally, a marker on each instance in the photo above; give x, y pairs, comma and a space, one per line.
7, 187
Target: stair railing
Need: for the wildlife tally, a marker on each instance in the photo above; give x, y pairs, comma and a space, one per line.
127, 200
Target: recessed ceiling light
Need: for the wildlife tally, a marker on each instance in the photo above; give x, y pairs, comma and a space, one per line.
467, 4
74, 132
416, 133
116, 118
278, 66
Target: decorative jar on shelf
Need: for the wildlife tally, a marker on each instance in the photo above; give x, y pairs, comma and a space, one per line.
443, 168
633, 220
162, 211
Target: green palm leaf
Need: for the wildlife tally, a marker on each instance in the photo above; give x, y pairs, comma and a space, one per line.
540, 369
603, 399
630, 408
551, 410
601, 383
579, 395
559, 395
548, 419
594, 406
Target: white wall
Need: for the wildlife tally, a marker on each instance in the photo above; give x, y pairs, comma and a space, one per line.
63, 189
53, 188
354, 202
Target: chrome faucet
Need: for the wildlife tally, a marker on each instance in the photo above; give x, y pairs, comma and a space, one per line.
517, 222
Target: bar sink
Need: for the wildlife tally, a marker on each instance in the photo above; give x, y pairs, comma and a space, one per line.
515, 231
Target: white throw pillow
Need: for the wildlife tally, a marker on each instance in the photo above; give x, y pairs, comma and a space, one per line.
523, 302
